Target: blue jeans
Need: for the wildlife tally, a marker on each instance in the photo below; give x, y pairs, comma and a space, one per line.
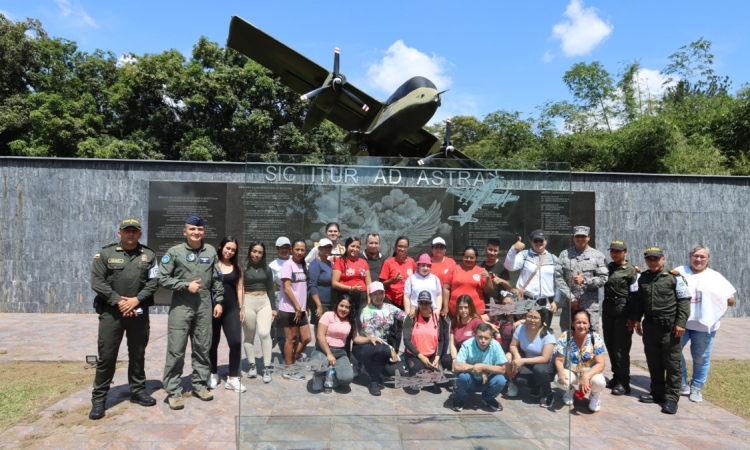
465, 384
700, 349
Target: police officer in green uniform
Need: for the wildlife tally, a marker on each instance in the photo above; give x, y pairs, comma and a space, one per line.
619, 291
124, 277
191, 272
664, 298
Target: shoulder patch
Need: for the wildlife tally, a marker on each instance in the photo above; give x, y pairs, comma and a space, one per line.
97, 256
165, 259
110, 245
674, 272
118, 249
637, 269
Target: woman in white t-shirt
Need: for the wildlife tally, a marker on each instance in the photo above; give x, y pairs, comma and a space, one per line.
711, 295
333, 341
422, 281
532, 347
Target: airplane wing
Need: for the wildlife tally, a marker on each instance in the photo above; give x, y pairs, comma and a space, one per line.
416, 145
456, 191
298, 72
494, 198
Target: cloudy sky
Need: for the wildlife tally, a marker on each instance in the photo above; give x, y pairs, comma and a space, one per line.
491, 54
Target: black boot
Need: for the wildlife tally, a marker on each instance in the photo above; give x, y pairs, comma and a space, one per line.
97, 411
143, 399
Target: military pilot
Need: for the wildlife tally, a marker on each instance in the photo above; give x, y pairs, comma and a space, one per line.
190, 271
619, 292
664, 298
585, 270
124, 277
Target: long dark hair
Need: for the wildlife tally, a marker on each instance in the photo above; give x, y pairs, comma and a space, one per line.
304, 263
543, 320
249, 261
351, 318
400, 238
234, 260
348, 242
472, 309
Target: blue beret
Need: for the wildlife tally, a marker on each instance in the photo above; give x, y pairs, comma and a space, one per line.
196, 220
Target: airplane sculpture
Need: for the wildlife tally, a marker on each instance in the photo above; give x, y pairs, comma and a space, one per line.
302, 366
478, 197
423, 378
390, 128
517, 307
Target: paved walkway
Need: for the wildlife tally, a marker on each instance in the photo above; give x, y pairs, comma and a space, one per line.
287, 415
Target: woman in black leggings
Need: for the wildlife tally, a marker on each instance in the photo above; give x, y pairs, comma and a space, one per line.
231, 318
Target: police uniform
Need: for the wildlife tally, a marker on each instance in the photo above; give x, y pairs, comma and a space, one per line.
619, 291
190, 314
591, 264
117, 272
663, 301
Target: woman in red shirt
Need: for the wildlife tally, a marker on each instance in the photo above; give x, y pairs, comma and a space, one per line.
470, 279
396, 270
441, 264
351, 275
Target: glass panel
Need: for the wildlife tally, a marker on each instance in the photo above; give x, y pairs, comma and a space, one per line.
467, 204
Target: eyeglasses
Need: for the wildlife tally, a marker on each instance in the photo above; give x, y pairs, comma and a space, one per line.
533, 318
699, 257
538, 241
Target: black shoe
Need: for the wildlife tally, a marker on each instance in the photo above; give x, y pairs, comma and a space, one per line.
649, 398
493, 404
374, 388
458, 405
669, 407
536, 392
97, 411
143, 399
547, 400
612, 383
621, 389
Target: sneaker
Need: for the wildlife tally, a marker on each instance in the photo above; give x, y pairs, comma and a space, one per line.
595, 404
203, 395
547, 400
696, 395
567, 398
296, 376
97, 411
267, 377
252, 372
176, 403
317, 382
213, 380
374, 388
234, 384
458, 405
512, 390
493, 404
685, 389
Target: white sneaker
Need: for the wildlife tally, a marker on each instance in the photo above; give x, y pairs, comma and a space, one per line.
233, 384
252, 372
696, 395
595, 404
568, 399
512, 390
213, 381
685, 389
267, 377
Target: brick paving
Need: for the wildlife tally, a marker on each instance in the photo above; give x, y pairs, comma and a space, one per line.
288, 415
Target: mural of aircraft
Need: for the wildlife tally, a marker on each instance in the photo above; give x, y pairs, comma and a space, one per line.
390, 128
478, 197
423, 378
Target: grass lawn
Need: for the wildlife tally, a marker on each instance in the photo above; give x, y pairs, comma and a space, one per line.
28, 387
728, 385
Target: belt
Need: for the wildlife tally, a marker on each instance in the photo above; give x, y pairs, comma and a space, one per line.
618, 300
538, 298
661, 320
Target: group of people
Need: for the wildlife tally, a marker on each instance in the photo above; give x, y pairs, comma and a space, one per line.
460, 317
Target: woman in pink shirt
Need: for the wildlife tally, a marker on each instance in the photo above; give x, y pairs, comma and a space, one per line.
333, 341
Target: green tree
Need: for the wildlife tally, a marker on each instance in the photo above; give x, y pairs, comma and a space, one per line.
593, 88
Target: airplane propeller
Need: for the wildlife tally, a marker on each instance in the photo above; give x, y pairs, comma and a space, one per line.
446, 149
337, 83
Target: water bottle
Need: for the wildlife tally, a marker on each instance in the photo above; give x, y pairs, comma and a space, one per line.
328, 385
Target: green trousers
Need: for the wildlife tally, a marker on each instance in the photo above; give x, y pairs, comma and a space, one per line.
664, 357
617, 339
112, 327
188, 318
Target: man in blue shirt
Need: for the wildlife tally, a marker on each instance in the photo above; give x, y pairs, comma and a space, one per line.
481, 367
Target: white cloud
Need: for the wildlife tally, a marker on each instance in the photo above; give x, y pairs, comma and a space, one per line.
583, 31
651, 84
401, 63
76, 13
547, 57
126, 58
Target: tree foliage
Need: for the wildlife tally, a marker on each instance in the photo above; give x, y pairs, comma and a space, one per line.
217, 105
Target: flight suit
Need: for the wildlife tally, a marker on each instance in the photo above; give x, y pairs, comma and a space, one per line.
619, 291
663, 300
591, 264
190, 314
117, 272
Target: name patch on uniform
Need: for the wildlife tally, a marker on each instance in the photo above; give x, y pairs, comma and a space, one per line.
144, 258
190, 257
115, 261
165, 259
204, 260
